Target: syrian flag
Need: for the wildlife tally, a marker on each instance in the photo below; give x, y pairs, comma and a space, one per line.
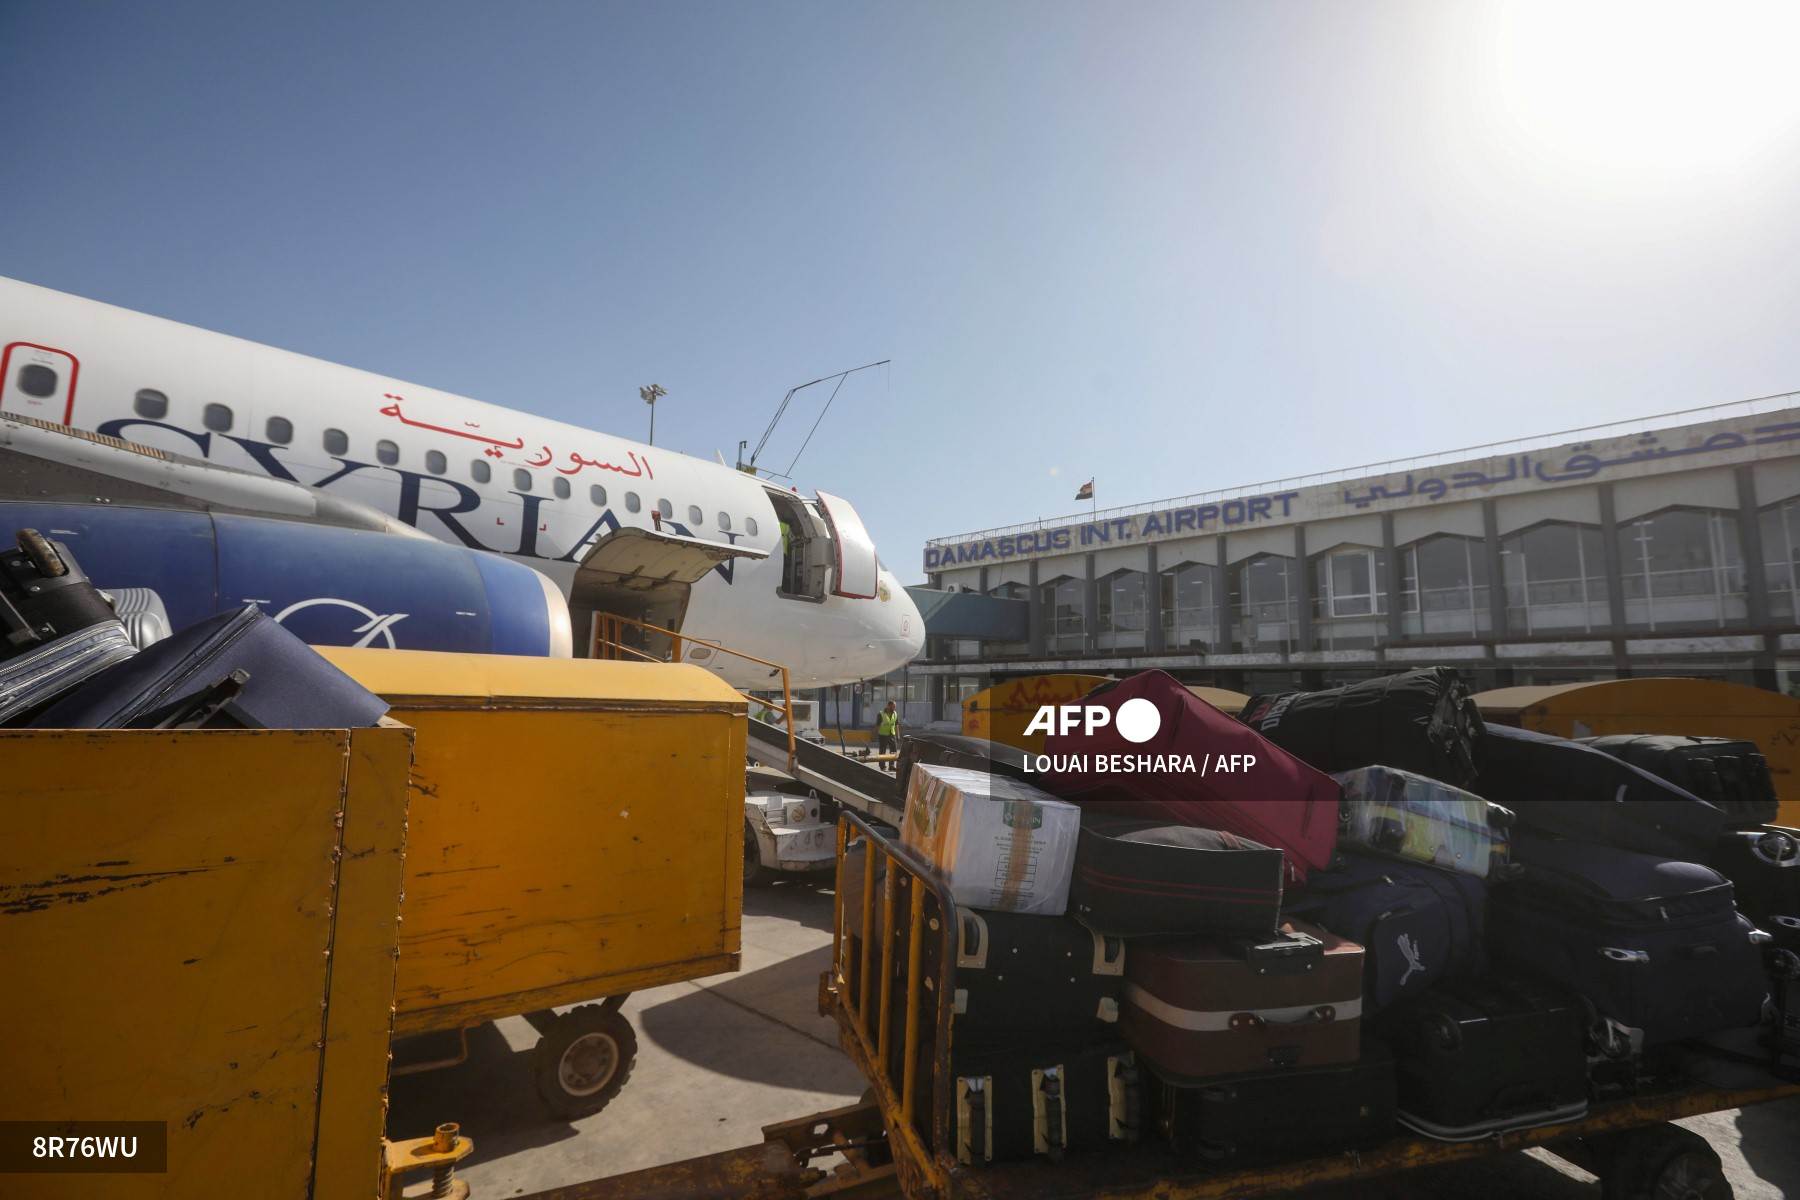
1086, 492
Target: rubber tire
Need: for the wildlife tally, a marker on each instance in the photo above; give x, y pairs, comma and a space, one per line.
756, 873
1663, 1162
571, 1027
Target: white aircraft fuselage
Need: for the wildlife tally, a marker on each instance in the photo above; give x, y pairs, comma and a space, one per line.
472, 473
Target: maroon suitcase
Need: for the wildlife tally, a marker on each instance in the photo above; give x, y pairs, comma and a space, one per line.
1276, 800
1195, 1010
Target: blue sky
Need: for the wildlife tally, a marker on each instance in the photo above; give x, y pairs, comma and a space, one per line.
1172, 246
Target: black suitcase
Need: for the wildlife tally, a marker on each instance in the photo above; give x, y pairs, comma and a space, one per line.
1417, 924
237, 668
1018, 974
955, 750
44, 595
1138, 878
1565, 788
1657, 946
1421, 721
1478, 1057
1730, 774
1012, 1104
1764, 868
1281, 1114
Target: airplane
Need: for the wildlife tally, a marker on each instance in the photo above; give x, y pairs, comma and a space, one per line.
721, 557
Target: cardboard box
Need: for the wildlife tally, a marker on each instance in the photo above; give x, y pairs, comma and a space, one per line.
1002, 843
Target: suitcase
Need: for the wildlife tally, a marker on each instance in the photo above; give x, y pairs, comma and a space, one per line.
237, 668
1729, 774
1012, 1104
1478, 1057
31, 681
1562, 787
1416, 924
1421, 721
1217, 794
1274, 1115
1656, 945
1197, 1010
1138, 879
1764, 868
44, 595
955, 750
1399, 813
1019, 974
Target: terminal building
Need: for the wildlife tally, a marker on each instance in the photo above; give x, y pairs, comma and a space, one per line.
1662, 546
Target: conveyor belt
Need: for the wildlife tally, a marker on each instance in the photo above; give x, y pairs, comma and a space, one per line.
858, 786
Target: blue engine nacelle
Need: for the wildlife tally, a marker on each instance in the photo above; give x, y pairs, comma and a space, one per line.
330, 586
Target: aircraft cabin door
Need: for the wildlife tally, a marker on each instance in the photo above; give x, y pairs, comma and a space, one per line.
38, 381
857, 571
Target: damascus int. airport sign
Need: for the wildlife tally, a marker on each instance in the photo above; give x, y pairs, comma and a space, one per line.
1713, 443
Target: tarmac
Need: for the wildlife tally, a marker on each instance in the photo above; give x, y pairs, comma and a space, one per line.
719, 1058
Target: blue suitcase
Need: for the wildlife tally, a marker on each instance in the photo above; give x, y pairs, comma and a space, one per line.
1655, 945
235, 669
1417, 924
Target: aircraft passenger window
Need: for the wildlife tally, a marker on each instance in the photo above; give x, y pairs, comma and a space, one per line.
521, 480
750, 526
665, 508
725, 521
695, 516
279, 430
386, 453
561, 488
632, 503
35, 379
478, 471
337, 442
216, 417
597, 494
435, 462
150, 403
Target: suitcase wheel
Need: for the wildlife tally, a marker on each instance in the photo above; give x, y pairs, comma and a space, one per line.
42, 554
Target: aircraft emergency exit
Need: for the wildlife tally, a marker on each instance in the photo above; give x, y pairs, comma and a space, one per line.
620, 527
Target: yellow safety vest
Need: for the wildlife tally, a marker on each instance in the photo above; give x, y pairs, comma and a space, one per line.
888, 723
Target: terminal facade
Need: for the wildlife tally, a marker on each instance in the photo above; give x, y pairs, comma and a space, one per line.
1655, 548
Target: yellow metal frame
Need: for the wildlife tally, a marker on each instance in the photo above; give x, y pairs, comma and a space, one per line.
200, 929
609, 643
577, 833
922, 1145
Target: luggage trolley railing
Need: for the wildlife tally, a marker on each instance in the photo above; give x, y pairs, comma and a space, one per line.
896, 1026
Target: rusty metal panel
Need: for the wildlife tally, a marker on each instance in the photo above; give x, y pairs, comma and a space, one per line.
359, 1014
560, 852
166, 912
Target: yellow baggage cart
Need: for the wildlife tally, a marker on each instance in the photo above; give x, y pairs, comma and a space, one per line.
577, 836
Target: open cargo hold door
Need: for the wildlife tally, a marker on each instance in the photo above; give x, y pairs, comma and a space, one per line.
857, 571
646, 575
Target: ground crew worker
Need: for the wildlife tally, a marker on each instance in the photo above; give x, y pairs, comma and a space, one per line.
887, 729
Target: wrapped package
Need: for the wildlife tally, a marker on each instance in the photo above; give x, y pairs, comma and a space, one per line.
1397, 812
1000, 842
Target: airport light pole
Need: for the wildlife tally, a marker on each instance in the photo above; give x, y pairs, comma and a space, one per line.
650, 395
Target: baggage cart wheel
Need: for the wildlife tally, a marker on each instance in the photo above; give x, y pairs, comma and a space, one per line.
584, 1059
755, 873
1660, 1162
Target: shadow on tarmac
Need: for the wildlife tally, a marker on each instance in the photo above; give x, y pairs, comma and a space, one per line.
1769, 1140
493, 1092
802, 899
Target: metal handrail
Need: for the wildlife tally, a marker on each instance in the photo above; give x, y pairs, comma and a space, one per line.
866, 1003
608, 642
1758, 404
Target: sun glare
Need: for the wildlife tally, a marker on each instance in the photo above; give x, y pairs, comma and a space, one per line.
1654, 87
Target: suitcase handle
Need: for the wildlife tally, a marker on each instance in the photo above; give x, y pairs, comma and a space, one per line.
1256, 1021
1624, 956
